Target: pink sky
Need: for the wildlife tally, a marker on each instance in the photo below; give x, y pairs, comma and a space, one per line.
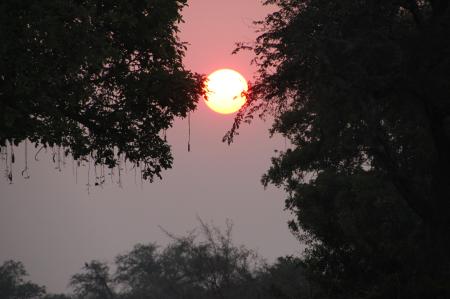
212, 27
53, 225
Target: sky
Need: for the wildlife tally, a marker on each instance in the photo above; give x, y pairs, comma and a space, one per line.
53, 225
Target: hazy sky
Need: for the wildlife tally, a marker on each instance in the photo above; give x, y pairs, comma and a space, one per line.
53, 225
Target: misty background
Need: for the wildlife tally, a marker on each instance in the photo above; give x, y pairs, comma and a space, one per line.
53, 224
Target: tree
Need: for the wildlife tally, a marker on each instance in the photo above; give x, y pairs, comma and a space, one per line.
94, 282
100, 80
148, 272
203, 264
13, 285
287, 278
362, 91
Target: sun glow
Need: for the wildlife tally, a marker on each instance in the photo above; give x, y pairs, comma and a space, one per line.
224, 90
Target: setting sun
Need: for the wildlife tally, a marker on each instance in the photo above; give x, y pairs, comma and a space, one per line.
224, 90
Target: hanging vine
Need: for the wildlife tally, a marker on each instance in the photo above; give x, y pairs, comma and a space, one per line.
189, 132
89, 176
25, 173
12, 160
95, 164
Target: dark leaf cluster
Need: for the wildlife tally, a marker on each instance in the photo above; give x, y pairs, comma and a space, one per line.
100, 79
361, 89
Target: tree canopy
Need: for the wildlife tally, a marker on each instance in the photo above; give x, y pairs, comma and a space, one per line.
362, 91
205, 263
13, 285
100, 80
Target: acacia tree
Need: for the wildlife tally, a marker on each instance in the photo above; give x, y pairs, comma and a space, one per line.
100, 80
362, 91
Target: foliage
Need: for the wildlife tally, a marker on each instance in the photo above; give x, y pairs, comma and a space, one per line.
287, 278
101, 80
93, 282
13, 285
203, 264
362, 91
186, 268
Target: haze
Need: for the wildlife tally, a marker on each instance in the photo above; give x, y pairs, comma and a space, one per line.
53, 225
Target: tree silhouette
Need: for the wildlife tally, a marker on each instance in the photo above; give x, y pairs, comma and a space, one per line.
13, 285
93, 282
204, 264
362, 91
100, 80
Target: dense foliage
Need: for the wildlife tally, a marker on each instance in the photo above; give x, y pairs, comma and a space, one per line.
362, 91
100, 80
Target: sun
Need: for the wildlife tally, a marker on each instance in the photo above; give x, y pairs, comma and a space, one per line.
224, 90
